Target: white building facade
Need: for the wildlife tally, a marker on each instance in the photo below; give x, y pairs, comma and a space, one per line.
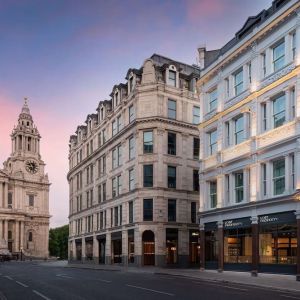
134, 171
250, 146
24, 193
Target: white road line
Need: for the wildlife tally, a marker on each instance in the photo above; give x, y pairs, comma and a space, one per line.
41, 295
22, 284
102, 280
291, 297
150, 290
63, 276
8, 277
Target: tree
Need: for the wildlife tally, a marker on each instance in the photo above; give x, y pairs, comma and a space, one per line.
58, 241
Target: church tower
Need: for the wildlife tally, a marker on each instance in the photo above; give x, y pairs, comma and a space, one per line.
24, 192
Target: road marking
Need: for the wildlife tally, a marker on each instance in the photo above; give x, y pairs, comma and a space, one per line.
63, 276
291, 297
22, 284
150, 290
8, 277
102, 280
41, 295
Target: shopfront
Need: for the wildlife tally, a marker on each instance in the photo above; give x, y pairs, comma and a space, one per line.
194, 246
116, 247
211, 245
102, 244
171, 246
237, 244
131, 246
278, 243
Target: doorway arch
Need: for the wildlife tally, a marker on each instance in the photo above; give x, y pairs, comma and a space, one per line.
148, 240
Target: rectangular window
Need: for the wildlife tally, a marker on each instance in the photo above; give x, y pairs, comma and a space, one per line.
99, 140
239, 130
264, 116
148, 142
196, 115
264, 66
116, 216
101, 220
131, 179
172, 177
120, 155
172, 78
279, 111
293, 170
104, 191
279, 176
171, 109
130, 212
213, 142
99, 167
171, 143
196, 148
131, 113
103, 136
171, 210
227, 134
294, 45
249, 72
213, 100
148, 175
114, 187
278, 56
148, 210
114, 128
114, 158
119, 178
131, 147
227, 188
103, 164
195, 180
88, 199
293, 99
193, 212
213, 194
9, 200
239, 187
99, 193
238, 82
31, 200
119, 123
92, 197
264, 179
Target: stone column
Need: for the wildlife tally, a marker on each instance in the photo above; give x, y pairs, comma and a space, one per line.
17, 238
202, 247
297, 213
125, 248
255, 246
95, 249
5, 230
108, 249
269, 114
22, 235
254, 181
183, 247
220, 246
6, 195
220, 191
1, 229
246, 185
1, 194
83, 254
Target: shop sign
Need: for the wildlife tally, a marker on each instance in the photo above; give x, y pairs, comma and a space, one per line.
210, 226
237, 223
286, 217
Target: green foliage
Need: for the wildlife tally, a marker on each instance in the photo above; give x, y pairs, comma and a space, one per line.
58, 241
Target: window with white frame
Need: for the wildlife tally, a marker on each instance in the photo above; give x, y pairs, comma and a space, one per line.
239, 130
171, 109
238, 82
131, 147
279, 176
213, 100
131, 179
264, 116
213, 193
278, 56
212, 142
131, 113
239, 186
294, 45
196, 114
148, 141
172, 78
278, 110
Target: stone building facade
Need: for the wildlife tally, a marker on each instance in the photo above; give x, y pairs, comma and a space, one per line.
24, 192
134, 171
250, 146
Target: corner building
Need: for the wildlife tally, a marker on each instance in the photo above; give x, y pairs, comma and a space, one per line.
134, 171
250, 146
24, 193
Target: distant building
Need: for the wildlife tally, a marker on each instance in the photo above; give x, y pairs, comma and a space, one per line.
24, 193
250, 146
133, 175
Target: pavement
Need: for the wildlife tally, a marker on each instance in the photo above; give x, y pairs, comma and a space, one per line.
273, 281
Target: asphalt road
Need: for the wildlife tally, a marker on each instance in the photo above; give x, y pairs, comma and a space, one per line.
29, 280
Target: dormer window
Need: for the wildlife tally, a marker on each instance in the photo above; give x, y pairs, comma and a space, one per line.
117, 98
131, 84
102, 113
172, 78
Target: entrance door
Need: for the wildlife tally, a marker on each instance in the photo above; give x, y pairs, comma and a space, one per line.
102, 251
148, 248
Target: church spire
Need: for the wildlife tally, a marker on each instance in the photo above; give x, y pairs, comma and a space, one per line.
25, 113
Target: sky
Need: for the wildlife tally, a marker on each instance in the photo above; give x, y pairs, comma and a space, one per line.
66, 56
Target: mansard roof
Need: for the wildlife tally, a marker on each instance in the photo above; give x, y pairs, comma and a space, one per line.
134, 71
91, 116
104, 103
119, 86
251, 23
